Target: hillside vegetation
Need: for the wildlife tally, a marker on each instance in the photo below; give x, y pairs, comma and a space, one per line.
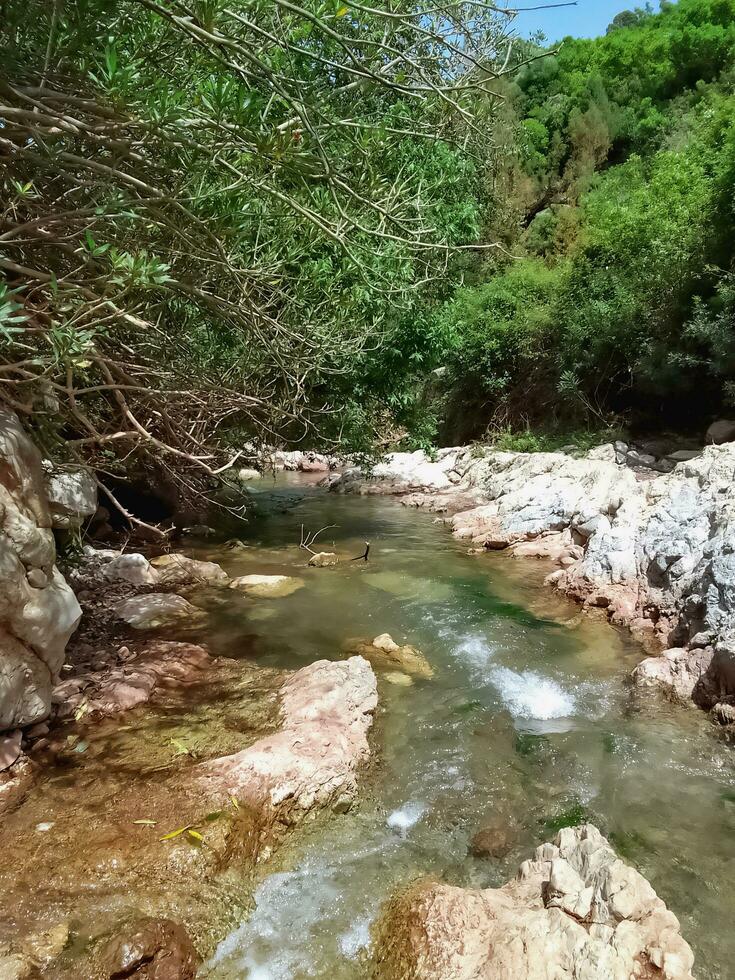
613, 193
331, 223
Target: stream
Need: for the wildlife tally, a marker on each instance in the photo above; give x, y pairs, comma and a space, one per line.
528, 725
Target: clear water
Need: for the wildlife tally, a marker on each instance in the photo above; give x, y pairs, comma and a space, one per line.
527, 724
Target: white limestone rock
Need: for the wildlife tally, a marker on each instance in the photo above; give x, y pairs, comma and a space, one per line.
38, 610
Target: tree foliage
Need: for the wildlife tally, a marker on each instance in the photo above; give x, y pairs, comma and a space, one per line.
211, 209
623, 167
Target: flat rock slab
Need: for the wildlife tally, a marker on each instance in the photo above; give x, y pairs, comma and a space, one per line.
160, 664
145, 612
312, 763
267, 586
574, 912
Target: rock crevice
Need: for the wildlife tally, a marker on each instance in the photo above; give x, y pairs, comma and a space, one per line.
574, 912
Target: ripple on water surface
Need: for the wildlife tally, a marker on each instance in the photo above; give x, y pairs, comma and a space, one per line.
526, 718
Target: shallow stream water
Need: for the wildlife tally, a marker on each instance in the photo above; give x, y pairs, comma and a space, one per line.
527, 725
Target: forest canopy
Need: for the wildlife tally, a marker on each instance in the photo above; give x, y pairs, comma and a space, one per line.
615, 199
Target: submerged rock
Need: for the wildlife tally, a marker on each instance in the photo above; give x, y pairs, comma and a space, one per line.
149, 949
38, 610
146, 612
323, 559
398, 678
108, 692
326, 711
267, 586
495, 839
26, 958
385, 654
575, 912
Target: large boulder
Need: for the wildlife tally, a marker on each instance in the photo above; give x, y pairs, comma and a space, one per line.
721, 431
38, 610
312, 762
72, 495
575, 912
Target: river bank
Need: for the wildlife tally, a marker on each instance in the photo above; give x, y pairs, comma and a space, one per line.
653, 551
523, 723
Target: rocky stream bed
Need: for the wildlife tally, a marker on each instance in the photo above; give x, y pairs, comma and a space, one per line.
255, 761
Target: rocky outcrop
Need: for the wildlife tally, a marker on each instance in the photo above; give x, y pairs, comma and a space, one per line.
311, 763
575, 912
38, 610
656, 551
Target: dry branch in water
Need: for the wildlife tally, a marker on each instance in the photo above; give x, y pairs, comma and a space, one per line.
308, 538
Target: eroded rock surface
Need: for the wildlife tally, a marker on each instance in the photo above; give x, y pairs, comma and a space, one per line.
326, 711
110, 691
575, 912
72, 495
150, 949
38, 610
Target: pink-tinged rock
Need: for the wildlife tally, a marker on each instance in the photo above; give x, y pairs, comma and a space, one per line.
574, 912
314, 463
160, 664
676, 672
312, 762
557, 546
